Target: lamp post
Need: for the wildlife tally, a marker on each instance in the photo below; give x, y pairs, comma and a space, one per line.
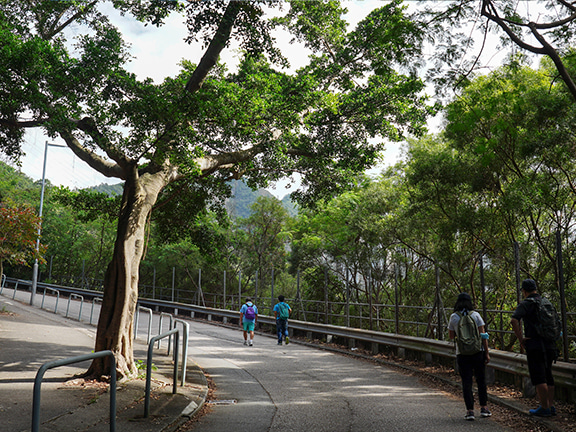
35, 268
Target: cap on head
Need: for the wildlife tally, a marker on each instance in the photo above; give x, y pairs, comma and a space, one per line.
464, 296
529, 285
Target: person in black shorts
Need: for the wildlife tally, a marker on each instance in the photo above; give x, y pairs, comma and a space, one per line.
540, 353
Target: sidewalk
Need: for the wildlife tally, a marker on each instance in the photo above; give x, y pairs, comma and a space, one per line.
30, 337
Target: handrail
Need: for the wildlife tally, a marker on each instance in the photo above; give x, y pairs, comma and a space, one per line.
81, 304
94, 300
186, 332
57, 298
139, 308
170, 327
67, 361
149, 367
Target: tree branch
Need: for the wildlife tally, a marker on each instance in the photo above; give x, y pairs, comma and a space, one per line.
486, 4
553, 54
94, 160
88, 126
216, 46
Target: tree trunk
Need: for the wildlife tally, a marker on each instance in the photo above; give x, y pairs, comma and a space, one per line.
116, 322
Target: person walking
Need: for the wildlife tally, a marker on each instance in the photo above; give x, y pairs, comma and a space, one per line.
248, 318
467, 327
282, 312
541, 352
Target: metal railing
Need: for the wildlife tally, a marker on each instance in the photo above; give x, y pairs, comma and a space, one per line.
76, 296
564, 372
145, 309
67, 361
44, 298
149, 367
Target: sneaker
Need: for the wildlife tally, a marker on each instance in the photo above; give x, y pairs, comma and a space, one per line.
469, 415
279, 343
245, 342
250, 343
541, 412
485, 412
287, 340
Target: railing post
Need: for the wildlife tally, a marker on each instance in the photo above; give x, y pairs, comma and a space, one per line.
63, 362
396, 300
170, 327
149, 368
94, 300
185, 333
565, 351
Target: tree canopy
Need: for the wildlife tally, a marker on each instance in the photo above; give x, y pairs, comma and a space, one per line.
63, 70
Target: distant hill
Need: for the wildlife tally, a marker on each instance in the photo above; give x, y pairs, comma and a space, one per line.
110, 190
238, 206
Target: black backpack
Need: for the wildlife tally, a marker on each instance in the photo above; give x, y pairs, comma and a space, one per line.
548, 324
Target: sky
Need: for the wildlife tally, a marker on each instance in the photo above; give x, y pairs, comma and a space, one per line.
157, 52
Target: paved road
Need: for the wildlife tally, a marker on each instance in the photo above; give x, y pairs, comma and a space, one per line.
296, 388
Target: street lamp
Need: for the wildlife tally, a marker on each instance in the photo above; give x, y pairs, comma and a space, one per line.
35, 268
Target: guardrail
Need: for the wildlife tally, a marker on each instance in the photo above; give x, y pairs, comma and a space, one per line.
67, 361
507, 362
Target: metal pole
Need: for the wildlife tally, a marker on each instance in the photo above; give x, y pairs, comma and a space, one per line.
517, 270
50, 271
326, 295
35, 267
173, 277
370, 318
240, 289
224, 296
439, 303
272, 294
347, 299
396, 299
562, 296
483, 288
154, 284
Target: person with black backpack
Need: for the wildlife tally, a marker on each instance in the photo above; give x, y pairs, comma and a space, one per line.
248, 318
467, 327
541, 331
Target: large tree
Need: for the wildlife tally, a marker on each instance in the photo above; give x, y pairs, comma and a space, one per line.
62, 69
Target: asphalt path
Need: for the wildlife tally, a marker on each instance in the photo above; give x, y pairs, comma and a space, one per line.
298, 388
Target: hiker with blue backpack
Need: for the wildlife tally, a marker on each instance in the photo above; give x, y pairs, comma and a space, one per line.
542, 329
282, 312
467, 327
248, 318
